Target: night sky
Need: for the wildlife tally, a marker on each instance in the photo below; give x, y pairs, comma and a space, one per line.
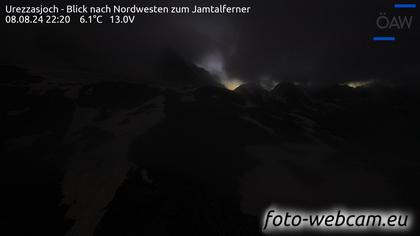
312, 42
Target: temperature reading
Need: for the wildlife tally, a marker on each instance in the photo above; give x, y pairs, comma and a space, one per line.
92, 19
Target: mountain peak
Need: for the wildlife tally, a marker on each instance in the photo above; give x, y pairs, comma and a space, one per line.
253, 93
290, 93
173, 70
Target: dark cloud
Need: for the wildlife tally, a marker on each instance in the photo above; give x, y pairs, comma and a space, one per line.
315, 41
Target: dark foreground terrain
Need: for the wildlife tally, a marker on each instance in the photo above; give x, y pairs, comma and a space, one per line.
120, 158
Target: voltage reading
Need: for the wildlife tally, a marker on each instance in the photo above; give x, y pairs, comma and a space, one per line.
125, 19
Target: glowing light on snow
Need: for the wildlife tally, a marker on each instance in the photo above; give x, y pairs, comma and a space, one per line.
358, 84
214, 64
232, 84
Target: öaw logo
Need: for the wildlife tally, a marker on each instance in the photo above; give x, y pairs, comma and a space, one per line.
395, 22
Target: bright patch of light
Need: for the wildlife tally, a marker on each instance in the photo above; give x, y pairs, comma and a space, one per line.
214, 64
358, 84
232, 84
